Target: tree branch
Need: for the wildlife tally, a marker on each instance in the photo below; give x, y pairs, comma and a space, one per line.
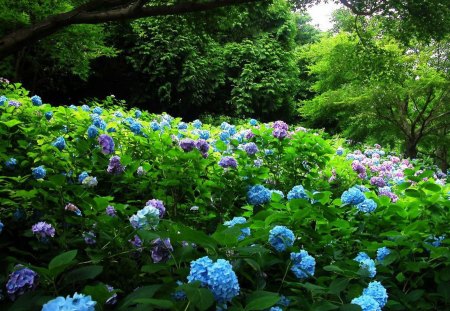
101, 11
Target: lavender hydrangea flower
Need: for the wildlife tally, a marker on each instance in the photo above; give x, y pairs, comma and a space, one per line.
203, 146
113, 299
14, 103
187, 144
21, 281
140, 171
280, 125
43, 230
279, 133
79, 302
251, 148
226, 162
136, 242
89, 237
161, 250
107, 143
110, 211
158, 204
377, 181
115, 167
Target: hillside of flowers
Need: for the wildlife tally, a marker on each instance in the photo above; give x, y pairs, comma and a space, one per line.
107, 208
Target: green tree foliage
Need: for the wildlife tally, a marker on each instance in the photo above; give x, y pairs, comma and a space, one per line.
373, 86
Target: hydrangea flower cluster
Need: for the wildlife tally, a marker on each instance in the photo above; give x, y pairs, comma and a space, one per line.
43, 230
187, 144
14, 103
367, 206
114, 166
39, 172
382, 252
303, 264
3, 100
366, 263
92, 131
136, 242
97, 110
48, 115
78, 302
110, 211
82, 176
236, 221
11, 163
218, 277
1, 227
203, 146
251, 148
140, 171
258, 195
106, 143
59, 143
227, 162
374, 297
280, 129
253, 122
158, 204
297, 192
21, 281
72, 208
281, 238
89, 238
90, 182
197, 124
146, 218
352, 196
161, 250
36, 100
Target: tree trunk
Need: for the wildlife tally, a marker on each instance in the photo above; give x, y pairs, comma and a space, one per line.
411, 148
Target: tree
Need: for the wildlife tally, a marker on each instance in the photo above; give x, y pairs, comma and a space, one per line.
424, 17
381, 89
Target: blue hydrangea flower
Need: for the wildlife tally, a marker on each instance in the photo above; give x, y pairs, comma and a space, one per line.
39, 172
340, 151
98, 122
377, 292
284, 301
21, 281
197, 124
165, 124
138, 113
303, 265
224, 136
369, 266
146, 218
268, 152
79, 302
253, 122
11, 163
182, 126
73, 107
436, 241
85, 108
97, 110
36, 100
258, 195
238, 220
276, 309
362, 188
361, 256
155, 126
82, 176
281, 238
179, 294
89, 238
1, 227
49, 115
92, 131
136, 128
203, 134
59, 143
382, 252
218, 276
367, 303
199, 270
3, 100
298, 192
352, 196
367, 206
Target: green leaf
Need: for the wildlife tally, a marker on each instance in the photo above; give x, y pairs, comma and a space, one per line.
202, 298
99, 292
11, 123
338, 285
142, 292
431, 187
58, 263
162, 304
83, 273
261, 300
412, 193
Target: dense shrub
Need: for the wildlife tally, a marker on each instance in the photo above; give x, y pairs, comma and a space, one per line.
140, 211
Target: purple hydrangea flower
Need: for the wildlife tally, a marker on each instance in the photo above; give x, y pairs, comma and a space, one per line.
110, 211
377, 181
158, 204
136, 242
43, 230
226, 162
161, 250
21, 281
279, 133
107, 143
280, 125
251, 148
203, 146
14, 103
89, 237
115, 167
187, 144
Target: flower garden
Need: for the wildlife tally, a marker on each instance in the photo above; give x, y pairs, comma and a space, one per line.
105, 208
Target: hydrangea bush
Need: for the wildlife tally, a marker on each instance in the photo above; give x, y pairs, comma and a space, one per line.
104, 208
